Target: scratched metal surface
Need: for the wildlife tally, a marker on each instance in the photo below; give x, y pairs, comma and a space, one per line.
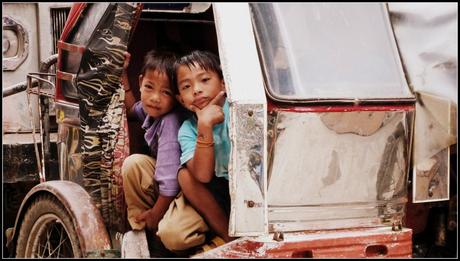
339, 169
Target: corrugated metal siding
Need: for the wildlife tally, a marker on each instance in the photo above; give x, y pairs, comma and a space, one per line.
58, 19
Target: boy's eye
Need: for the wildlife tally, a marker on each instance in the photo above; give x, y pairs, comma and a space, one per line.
206, 79
166, 92
148, 86
183, 87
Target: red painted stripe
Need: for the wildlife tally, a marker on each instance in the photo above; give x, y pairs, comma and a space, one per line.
74, 14
330, 245
71, 47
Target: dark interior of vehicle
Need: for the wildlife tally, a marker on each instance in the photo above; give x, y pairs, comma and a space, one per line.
169, 31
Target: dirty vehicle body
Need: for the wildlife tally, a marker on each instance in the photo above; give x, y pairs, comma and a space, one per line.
322, 133
23, 52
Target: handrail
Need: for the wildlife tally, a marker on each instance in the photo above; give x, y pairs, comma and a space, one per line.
43, 117
34, 86
39, 91
22, 86
17, 88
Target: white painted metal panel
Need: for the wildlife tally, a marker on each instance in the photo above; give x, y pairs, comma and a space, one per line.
238, 53
427, 36
246, 95
333, 170
15, 116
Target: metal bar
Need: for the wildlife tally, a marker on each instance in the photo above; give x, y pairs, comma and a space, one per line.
40, 80
40, 121
46, 128
44, 71
17, 88
37, 154
177, 20
46, 64
43, 118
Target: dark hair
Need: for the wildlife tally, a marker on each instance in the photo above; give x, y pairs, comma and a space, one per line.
161, 61
206, 60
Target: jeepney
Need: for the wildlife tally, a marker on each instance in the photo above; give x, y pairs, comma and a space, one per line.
323, 129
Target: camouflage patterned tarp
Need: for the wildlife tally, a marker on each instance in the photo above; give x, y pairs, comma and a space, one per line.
101, 102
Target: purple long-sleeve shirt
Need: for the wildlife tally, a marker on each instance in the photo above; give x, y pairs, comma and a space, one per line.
161, 136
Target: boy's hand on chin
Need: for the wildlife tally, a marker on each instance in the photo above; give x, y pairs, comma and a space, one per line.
212, 113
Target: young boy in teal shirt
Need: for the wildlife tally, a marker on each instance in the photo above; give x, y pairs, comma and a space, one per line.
204, 139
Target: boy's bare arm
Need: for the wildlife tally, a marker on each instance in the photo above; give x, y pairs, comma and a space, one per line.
129, 97
202, 164
203, 158
153, 216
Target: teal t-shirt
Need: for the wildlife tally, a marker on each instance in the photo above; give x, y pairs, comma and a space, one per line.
187, 139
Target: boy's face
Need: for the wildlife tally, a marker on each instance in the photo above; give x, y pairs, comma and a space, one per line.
156, 95
197, 86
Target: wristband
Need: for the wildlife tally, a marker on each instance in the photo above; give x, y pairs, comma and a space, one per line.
204, 144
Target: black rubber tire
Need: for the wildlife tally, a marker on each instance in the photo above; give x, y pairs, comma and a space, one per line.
44, 215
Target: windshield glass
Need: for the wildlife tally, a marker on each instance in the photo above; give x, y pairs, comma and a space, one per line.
328, 51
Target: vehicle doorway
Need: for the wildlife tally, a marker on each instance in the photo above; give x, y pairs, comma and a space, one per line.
170, 31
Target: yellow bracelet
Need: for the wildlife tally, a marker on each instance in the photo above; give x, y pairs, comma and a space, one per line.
204, 144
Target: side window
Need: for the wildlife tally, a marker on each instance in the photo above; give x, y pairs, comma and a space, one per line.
353, 41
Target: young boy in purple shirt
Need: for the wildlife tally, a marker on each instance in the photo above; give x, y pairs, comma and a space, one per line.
150, 181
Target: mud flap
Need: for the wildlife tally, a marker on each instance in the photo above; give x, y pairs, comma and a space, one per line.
101, 102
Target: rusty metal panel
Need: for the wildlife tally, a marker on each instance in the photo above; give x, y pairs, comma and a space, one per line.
246, 96
337, 169
69, 151
433, 135
427, 38
352, 243
247, 186
25, 54
19, 162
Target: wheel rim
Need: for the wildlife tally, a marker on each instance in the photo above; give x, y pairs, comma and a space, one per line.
49, 238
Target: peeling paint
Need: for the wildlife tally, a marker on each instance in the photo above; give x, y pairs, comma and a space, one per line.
342, 175
247, 168
351, 243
